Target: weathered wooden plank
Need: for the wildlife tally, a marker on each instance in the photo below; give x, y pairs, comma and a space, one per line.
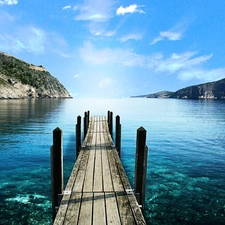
74, 172
126, 215
61, 214
79, 181
139, 218
106, 173
99, 215
86, 208
89, 176
112, 212
88, 137
97, 187
116, 180
73, 209
132, 199
98, 159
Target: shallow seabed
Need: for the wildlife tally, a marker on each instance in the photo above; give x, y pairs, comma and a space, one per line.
186, 163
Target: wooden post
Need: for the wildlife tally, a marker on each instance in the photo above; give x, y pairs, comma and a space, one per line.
141, 166
110, 122
88, 115
87, 120
108, 116
118, 135
85, 124
56, 170
78, 136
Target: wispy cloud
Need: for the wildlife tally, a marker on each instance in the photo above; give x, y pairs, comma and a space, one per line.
96, 13
67, 7
187, 65
99, 10
29, 39
178, 62
202, 74
131, 37
5, 17
174, 34
8, 2
122, 57
170, 35
100, 29
129, 9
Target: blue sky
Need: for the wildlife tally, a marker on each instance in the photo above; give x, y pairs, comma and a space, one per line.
118, 48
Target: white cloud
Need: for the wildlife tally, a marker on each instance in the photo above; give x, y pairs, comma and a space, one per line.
187, 65
178, 62
29, 39
131, 37
122, 57
98, 11
8, 2
66, 7
170, 35
174, 34
129, 9
202, 74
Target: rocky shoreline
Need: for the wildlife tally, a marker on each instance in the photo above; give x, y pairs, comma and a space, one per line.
210, 90
19, 80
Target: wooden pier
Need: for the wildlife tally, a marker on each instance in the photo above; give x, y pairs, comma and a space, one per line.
98, 191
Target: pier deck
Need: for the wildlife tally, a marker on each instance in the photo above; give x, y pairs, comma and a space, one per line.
98, 191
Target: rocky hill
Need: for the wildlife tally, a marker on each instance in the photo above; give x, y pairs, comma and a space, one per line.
161, 94
210, 90
19, 79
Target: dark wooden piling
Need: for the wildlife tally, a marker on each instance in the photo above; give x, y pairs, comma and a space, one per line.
110, 122
88, 118
108, 115
56, 170
141, 166
78, 135
118, 135
85, 123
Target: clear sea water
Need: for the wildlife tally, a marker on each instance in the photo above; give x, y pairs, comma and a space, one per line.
186, 163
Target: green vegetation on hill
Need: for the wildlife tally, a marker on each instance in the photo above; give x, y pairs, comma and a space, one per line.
14, 70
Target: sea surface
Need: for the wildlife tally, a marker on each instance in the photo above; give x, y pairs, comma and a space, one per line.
186, 159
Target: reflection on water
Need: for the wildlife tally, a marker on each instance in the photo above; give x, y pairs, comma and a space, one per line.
186, 140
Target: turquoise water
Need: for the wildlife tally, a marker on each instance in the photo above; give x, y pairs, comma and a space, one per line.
186, 165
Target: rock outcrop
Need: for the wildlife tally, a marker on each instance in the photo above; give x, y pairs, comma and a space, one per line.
210, 90
161, 94
19, 79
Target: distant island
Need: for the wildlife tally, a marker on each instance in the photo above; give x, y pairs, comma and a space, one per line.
210, 90
19, 79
